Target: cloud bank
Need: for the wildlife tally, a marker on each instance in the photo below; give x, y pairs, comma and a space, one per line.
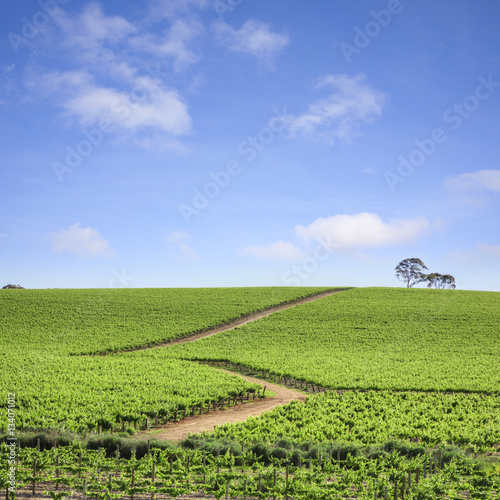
344, 233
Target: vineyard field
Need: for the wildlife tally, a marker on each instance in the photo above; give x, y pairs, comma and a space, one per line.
79, 393
42, 331
102, 320
400, 339
165, 474
365, 418
405, 382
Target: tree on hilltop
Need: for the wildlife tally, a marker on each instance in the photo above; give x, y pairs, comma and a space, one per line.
411, 271
437, 280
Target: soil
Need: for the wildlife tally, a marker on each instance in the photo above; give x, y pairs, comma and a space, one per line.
241, 321
178, 431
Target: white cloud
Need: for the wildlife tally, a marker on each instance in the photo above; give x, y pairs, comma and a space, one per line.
149, 106
179, 248
342, 233
339, 115
364, 230
65, 82
107, 83
254, 38
104, 39
482, 180
92, 27
175, 43
82, 242
162, 9
279, 250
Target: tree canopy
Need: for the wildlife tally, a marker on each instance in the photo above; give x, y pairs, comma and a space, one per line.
437, 280
411, 271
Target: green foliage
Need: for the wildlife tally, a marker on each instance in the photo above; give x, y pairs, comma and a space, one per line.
373, 338
406, 348
101, 320
437, 280
411, 271
39, 329
58, 495
116, 388
365, 418
354, 476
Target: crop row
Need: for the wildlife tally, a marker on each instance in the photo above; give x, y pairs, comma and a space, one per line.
101, 320
401, 339
430, 419
167, 474
39, 329
81, 393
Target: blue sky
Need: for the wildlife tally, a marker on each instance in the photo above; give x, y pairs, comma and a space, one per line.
244, 142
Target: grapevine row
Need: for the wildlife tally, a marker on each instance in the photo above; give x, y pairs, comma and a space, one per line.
167, 474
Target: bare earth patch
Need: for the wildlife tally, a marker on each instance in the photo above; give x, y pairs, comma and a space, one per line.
240, 321
178, 431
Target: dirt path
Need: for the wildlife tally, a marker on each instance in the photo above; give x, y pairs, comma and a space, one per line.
179, 431
241, 321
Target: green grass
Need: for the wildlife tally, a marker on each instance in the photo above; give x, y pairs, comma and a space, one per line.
262, 472
426, 341
78, 393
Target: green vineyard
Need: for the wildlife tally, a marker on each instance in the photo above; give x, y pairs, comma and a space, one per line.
98, 321
364, 418
168, 474
401, 339
41, 328
403, 393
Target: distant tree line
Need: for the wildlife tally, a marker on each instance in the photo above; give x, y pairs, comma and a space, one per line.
412, 272
13, 286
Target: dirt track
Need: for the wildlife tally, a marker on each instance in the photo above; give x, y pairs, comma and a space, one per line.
245, 320
180, 430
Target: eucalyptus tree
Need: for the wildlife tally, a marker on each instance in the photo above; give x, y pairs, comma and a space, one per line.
411, 271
